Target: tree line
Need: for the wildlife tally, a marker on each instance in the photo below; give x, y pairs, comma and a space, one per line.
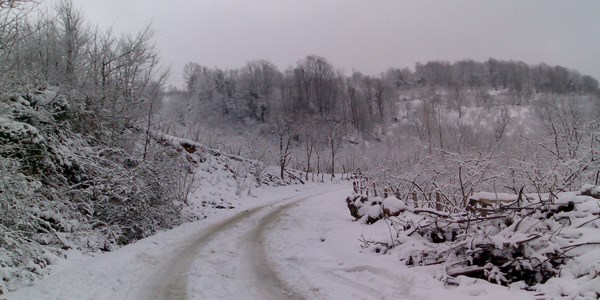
315, 88
322, 104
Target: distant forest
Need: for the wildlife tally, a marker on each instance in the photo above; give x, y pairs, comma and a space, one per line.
314, 88
425, 122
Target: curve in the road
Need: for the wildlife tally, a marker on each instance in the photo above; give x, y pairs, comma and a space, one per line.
170, 282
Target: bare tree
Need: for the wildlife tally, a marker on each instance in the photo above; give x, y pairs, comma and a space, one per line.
284, 132
380, 94
502, 122
316, 85
334, 141
74, 38
310, 137
13, 14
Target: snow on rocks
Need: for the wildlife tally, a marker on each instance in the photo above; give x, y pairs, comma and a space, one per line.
393, 206
370, 210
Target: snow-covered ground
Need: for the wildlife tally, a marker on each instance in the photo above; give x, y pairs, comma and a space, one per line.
294, 242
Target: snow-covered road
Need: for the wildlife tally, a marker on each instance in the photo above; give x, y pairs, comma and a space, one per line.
286, 245
237, 242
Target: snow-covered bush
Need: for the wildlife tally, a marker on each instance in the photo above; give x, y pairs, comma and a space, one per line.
63, 190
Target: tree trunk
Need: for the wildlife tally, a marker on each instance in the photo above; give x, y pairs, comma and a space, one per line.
148, 131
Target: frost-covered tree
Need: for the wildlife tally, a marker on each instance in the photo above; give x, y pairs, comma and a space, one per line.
258, 81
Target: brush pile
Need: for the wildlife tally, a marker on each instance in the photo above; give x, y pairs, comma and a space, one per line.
545, 242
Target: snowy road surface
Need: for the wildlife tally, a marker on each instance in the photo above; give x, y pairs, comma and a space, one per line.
287, 245
241, 237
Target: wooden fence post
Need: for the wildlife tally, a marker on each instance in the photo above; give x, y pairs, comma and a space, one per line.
429, 200
374, 189
414, 198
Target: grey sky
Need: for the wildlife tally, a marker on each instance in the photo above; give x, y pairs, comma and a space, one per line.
369, 36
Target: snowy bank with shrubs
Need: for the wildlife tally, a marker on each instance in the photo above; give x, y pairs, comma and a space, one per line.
547, 243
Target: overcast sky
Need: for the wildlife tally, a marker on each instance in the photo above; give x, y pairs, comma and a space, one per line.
368, 36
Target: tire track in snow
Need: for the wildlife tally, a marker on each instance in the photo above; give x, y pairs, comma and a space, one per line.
170, 282
260, 275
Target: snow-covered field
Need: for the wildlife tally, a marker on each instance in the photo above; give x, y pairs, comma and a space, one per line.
294, 242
